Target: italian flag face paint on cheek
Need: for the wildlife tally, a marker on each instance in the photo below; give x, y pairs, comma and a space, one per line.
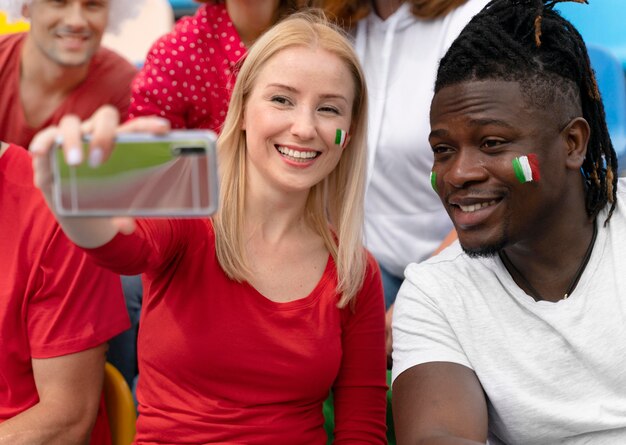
526, 168
433, 181
341, 137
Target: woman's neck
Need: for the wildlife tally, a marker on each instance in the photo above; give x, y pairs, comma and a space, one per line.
385, 8
252, 17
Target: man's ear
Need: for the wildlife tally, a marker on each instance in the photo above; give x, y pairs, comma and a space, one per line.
26, 10
576, 134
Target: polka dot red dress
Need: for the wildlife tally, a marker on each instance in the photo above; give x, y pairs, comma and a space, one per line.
189, 73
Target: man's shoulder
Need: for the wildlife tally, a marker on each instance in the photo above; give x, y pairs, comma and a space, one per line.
10, 45
16, 166
21, 201
106, 61
11, 40
451, 260
450, 272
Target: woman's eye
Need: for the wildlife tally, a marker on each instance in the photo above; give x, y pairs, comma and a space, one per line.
280, 100
329, 110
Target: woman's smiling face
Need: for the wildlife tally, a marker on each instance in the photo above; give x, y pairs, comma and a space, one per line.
299, 100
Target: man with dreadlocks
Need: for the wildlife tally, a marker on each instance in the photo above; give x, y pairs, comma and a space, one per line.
521, 337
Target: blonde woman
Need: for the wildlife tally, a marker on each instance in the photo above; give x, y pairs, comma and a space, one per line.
251, 317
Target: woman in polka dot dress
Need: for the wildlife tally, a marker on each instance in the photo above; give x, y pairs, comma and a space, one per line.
189, 73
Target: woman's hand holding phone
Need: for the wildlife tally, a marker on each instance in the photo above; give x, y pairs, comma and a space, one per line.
102, 127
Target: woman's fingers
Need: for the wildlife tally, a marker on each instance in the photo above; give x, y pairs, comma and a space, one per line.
102, 128
124, 224
71, 139
40, 147
149, 124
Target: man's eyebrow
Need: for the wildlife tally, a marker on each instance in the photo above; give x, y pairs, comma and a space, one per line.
489, 121
440, 132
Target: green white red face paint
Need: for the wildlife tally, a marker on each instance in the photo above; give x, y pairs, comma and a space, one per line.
433, 181
341, 138
526, 168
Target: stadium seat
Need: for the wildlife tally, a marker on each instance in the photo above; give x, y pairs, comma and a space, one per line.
601, 22
612, 84
183, 7
120, 406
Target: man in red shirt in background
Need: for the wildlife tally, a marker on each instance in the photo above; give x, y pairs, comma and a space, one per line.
57, 311
58, 67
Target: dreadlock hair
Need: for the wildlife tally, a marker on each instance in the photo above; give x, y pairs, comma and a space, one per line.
527, 41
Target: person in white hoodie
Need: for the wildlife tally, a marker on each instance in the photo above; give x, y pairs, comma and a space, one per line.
400, 43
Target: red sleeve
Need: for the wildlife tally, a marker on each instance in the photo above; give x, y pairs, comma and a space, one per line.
360, 391
76, 305
153, 245
159, 88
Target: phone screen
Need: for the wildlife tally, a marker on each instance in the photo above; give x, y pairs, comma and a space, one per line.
172, 175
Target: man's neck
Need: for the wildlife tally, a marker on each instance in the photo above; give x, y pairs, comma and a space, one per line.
551, 263
37, 70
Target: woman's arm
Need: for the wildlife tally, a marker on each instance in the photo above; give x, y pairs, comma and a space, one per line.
360, 391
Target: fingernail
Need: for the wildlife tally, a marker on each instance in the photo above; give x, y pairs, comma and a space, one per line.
74, 156
35, 148
163, 121
95, 157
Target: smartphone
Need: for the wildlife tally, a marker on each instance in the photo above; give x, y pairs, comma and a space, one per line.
173, 175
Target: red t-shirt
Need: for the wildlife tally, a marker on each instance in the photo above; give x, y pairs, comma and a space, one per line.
108, 82
189, 73
54, 300
220, 363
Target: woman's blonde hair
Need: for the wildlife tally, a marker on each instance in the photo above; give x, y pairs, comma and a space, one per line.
334, 207
348, 12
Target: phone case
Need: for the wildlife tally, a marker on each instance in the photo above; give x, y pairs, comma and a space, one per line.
149, 176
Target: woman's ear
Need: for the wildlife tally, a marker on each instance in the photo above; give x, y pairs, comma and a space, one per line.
576, 134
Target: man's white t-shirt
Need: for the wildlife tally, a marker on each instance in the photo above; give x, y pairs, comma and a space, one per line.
552, 372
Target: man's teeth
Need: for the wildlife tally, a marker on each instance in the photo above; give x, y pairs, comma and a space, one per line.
297, 154
474, 207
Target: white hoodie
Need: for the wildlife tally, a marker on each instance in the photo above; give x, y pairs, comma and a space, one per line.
404, 219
